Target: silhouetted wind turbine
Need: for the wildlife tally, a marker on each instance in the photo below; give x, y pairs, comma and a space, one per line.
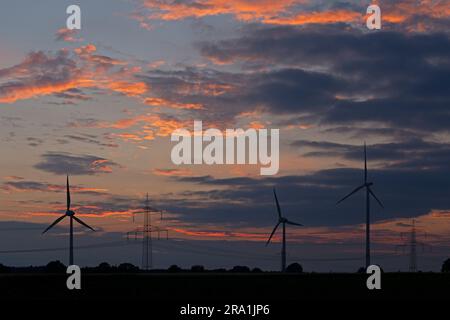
369, 193
281, 220
69, 213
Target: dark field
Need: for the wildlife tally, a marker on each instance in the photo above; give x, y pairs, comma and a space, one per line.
227, 288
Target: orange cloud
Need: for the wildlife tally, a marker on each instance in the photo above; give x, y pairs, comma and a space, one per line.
128, 88
207, 89
403, 12
41, 74
151, 125
165, 126
156, 63
297, 12
242, 9
67, 35
13, 178
136, 137
256, 125
86, 50
172, 172
319, 17
172, 104
12, 93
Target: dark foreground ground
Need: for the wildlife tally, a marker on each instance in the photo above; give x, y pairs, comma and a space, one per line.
166, 295
224, 288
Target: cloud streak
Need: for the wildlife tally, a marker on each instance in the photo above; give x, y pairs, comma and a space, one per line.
406, 15
63, 72
67, 163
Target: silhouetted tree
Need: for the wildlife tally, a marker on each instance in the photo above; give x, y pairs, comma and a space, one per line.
240, 269
174, 268
363, 269
294, 268
4, 269
55, 267
104, 267
127, 267
256, 270
446, 266
197, 268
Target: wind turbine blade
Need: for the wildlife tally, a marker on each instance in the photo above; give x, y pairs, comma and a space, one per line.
294, 223
68, 194
54, 223
365, 163
378, 200
278, 204
351, 193
271, 235
81, 222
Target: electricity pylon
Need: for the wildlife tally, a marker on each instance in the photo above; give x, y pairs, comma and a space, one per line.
411, 243
146, 232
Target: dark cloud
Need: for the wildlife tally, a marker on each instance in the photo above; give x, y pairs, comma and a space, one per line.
34, 142
393, 82
410, 176
113, 203
411, 154
331, 46
226, 94
66, 163
356, 132
421, 114
311, 199
24, 185
343, 76
87, 139
216, 90
73, 94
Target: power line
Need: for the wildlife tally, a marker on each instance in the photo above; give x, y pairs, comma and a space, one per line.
184, 247
90, 246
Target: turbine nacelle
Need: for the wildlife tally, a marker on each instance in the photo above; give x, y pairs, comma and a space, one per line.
70, 213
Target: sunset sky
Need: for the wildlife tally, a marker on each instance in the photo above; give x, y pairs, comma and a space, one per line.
100, 104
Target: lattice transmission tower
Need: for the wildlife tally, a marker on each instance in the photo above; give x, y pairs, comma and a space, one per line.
411, 243
146, 232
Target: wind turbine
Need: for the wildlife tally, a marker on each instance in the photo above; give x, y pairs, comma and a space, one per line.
367, 185
69, 213
284, 221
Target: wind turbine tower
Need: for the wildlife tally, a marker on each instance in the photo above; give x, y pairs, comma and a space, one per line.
367, 186
413, 252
